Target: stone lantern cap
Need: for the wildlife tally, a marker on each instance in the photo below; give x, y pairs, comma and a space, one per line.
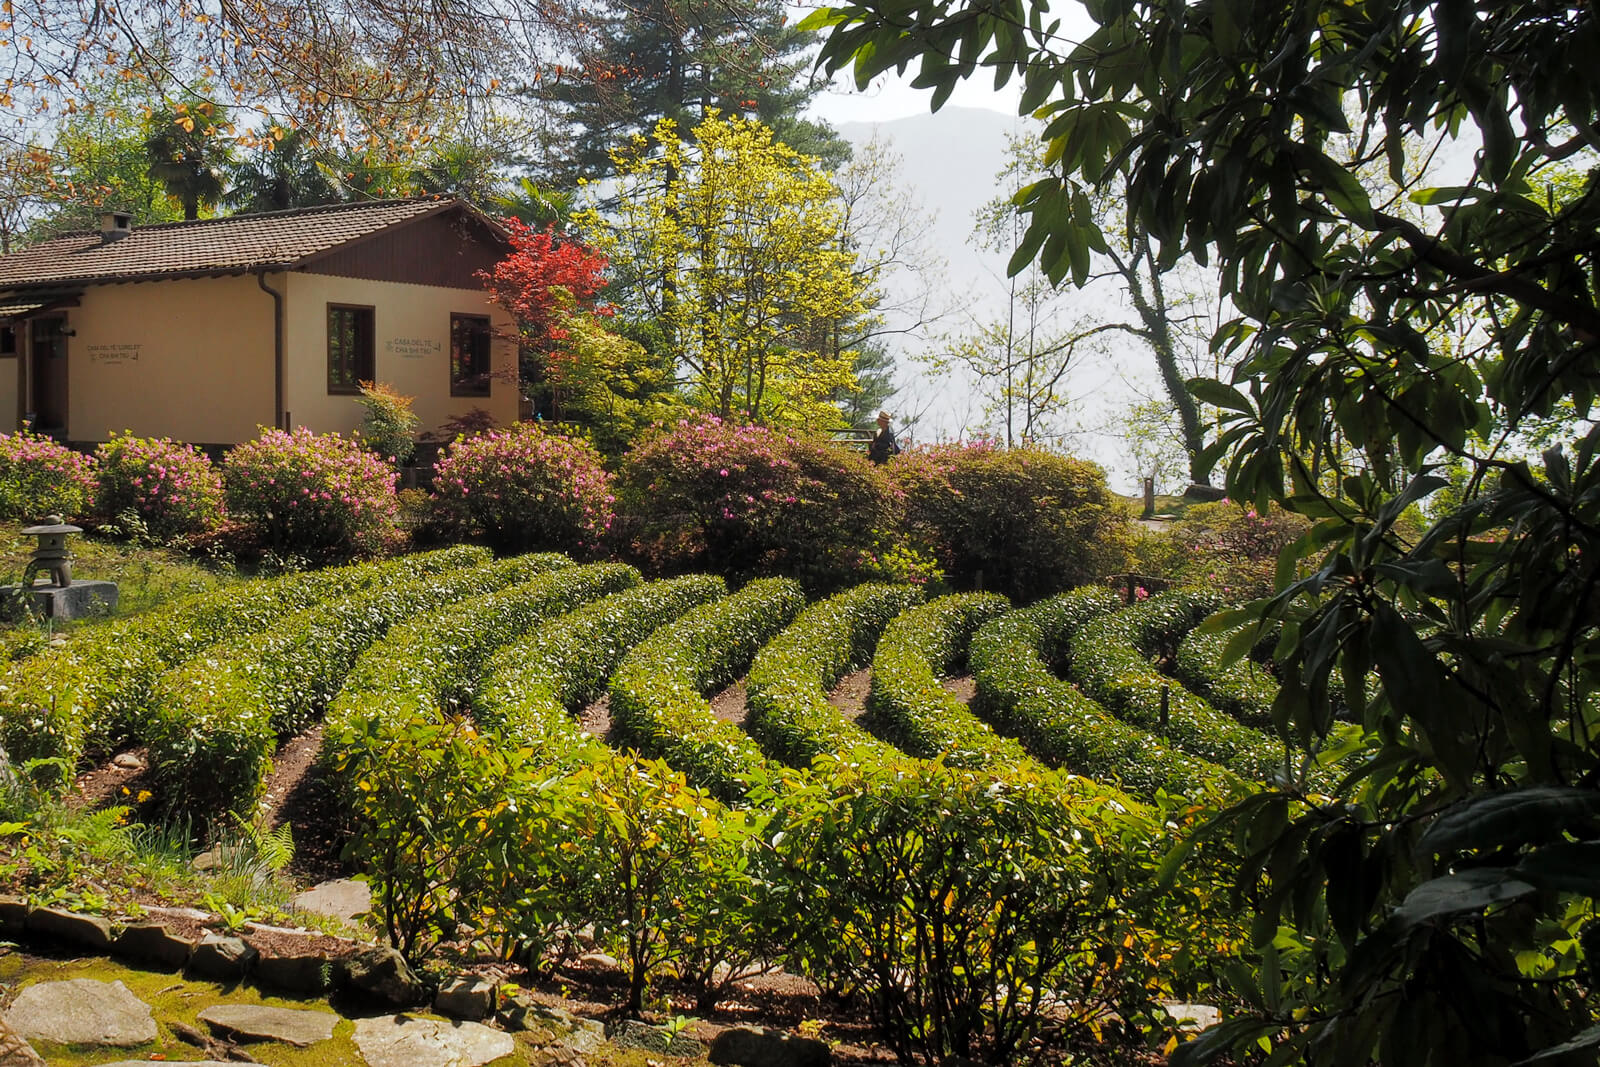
52, 525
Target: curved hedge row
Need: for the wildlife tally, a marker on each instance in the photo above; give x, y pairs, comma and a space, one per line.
908, 702
1108, 661
656, 693
530, 687
1244, 689
1018, 693
84, 695
787, 689
432, 661
223, 711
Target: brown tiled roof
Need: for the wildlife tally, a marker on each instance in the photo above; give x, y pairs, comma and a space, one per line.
228, 245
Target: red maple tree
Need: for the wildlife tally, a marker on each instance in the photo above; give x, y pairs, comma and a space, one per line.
526, 283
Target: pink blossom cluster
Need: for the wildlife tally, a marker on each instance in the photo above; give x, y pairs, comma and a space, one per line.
39, 477
525, 488
738, 498
172, 487
317, 494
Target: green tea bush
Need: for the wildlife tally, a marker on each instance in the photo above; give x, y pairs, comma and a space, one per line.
657, 693
1024, 522
908, 704
172, 488
1058, 724
531, 686
225, 709
971, 911
524, 488
1110, 662
389, 426
433, 661
787, 689
313, 495
742, 501
1244, 688
39, 477
85, 695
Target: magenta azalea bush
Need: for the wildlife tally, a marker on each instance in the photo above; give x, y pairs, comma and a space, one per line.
739, 501
1023, 522
39, 477
172, 488
314, 495
524, 489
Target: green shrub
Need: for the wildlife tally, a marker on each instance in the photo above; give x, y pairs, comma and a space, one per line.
84, 695
1244, 689
1025, 523
1109, 661
39, 477
971, 911
908, 704
531, 686
225, 709
657, 692
389, 426
172, 488
433, 661
787, 689
742, 501
1058, 724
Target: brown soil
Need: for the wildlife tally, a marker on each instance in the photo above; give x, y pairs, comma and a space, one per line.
595, 719
110, 784
850, 695
300, 795
729, 705
963, 688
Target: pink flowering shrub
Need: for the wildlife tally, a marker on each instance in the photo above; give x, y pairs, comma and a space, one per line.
524, 489
1023, 522
319, 496
171, 487
1231, 548
738, 501
39, 477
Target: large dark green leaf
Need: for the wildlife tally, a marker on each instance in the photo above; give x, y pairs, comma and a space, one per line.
1469, 891
1537, 814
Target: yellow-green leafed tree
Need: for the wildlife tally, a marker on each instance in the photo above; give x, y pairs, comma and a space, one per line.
730, 241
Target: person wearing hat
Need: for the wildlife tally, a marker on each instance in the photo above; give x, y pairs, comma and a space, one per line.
883, 443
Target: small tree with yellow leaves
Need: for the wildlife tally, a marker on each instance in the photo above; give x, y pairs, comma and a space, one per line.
730, 241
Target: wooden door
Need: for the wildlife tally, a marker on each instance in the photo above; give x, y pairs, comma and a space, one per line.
49, 356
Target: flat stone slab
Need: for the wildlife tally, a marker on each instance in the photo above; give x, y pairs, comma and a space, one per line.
253, 1022
401, 1041
82, 1012
1193, 1016
342, 898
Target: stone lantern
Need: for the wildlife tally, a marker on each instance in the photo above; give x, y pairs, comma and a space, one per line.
52, 556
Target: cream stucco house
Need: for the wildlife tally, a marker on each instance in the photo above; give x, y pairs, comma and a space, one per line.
207, 331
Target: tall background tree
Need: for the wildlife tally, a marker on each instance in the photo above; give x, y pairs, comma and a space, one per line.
640, 63
1438, 906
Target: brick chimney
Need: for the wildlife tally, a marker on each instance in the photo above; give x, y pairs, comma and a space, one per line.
114, 226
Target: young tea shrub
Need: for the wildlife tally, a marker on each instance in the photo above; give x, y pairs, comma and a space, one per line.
524, 489
1022, 522
739, 501
39, 477
314, 495
389, 426
172, 488
968, 909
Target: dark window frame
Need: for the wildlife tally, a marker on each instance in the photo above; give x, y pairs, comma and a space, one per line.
360, 366
474, 381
